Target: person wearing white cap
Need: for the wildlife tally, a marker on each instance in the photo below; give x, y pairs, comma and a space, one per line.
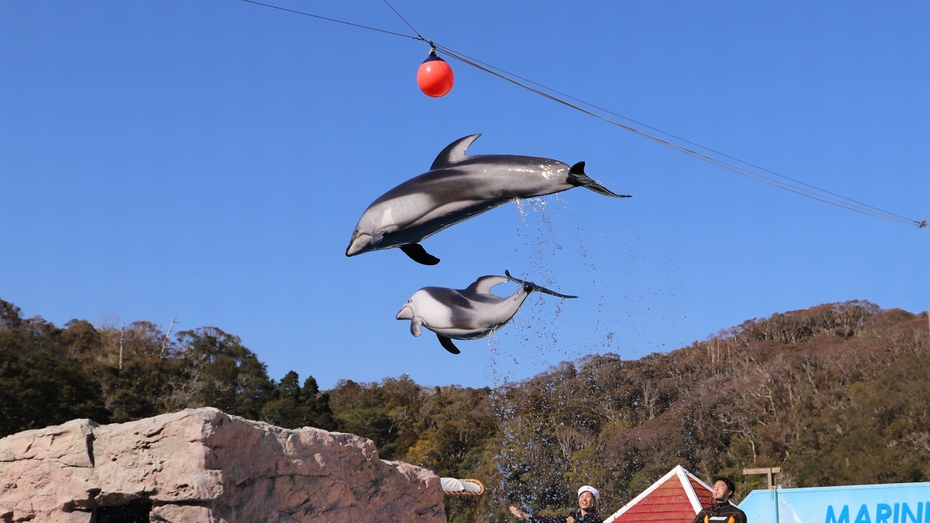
588, 497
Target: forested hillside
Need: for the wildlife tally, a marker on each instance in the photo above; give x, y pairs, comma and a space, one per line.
836, 394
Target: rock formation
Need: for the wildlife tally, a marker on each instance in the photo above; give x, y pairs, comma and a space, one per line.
201, 465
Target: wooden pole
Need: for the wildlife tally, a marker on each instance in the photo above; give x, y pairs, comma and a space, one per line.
165, 344
769, 474
121, 327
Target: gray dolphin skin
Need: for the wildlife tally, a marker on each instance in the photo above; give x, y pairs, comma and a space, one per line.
466, 314
456, 188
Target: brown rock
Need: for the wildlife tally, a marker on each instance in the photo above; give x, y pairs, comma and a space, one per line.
201, 465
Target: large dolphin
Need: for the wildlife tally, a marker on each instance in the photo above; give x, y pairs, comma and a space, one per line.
457, 187
466, 314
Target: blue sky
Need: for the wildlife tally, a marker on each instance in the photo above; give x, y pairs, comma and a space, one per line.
209, 160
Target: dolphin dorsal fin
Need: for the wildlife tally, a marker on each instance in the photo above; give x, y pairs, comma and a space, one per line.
484, 284
454, 152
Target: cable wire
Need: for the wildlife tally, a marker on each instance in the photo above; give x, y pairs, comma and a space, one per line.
303, 13
812, 192
744, 168
404, 19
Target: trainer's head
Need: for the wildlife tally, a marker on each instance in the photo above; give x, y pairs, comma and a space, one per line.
723, 488
587, 497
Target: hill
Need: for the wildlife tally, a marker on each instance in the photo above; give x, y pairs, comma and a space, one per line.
836, 394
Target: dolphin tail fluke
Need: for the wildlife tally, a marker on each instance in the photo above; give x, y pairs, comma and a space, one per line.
544, 290
417, 253
532, 287
578, 178
447, 344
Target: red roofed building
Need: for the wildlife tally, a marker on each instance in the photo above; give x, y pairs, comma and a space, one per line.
677, 497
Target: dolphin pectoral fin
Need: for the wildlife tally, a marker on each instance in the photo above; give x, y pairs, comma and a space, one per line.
447, 344
415, 326
578, 178
454, 152
417, 253
376, 237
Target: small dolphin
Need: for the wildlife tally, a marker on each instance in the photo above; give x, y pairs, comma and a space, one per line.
456, 188
466, 314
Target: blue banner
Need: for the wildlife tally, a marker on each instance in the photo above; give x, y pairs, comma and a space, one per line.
893, 503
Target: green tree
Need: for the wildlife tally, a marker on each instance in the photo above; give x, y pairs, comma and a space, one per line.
222, 373
362, 409
286, 409
41, 383
294, 406
320, 415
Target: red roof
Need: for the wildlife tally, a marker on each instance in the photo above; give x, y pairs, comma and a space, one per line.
677, 497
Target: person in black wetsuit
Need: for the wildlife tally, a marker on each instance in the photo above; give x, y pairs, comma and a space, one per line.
722, 510
586, 513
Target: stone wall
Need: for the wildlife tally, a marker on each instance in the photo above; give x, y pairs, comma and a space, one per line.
201, 465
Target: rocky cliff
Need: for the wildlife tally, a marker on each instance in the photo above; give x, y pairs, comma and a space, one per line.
201, 465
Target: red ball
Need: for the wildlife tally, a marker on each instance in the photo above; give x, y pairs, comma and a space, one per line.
435, 76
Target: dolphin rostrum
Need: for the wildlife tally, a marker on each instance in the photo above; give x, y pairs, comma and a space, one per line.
466, 314
456, 188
